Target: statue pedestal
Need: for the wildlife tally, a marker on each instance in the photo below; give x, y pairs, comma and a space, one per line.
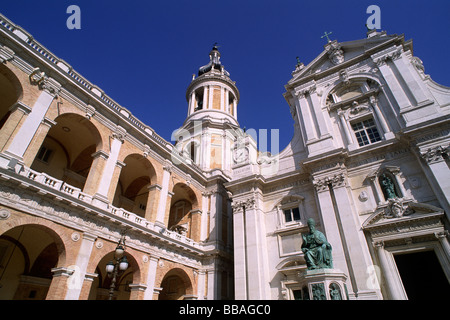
324, 284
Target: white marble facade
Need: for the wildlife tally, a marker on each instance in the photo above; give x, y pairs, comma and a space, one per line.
363, 110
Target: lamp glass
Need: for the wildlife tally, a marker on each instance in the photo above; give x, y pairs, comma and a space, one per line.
110, 267
119, 251
123, 265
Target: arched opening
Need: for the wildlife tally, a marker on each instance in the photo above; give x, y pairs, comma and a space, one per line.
66, 153
183, 217
175, 285
10, 93
100, 289
26, 264
132, 189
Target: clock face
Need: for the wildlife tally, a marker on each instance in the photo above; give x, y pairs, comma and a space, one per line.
240, 155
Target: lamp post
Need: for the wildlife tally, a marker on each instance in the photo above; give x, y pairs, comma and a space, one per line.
117, 265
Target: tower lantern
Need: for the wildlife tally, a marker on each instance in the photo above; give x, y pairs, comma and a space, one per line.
213, 94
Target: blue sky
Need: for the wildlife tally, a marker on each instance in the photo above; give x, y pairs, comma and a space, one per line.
143, 53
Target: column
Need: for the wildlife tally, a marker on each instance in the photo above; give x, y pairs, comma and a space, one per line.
213, 284
58, 286
330, 224
36, 142
117, 140
227, 99
215, 217
19, 111
235, 108
255, 251
152, 202
222, 96
318, 114
201, 284
162, 204
411, 80
76, 280
191, 104
442, 237
240, 253
137, 291
151, 277
30, 126
98, 164
392, 284
305, 117
205, 97
344, 125
384, 126
210, 97
204, 229
357, 252
392, 82
440, 174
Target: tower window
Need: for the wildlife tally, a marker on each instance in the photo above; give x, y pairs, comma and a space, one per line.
366, 132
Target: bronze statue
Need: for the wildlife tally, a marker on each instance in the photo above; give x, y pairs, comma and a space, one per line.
316, 248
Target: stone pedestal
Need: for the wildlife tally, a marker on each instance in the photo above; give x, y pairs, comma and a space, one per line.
324, 284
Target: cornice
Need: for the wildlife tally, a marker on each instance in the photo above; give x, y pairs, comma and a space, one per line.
335, 69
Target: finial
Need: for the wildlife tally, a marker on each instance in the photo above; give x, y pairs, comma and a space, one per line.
326, 34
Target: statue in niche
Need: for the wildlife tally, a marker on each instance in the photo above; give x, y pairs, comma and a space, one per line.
316, 248
335, 292
388, 187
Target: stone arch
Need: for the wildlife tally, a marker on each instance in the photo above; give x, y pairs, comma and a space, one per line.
176, 285
183, 214
132, 190
100, 287
349, 81
29, 261
11, 92
66, 152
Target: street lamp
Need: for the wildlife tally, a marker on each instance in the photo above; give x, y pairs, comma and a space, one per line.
118, 265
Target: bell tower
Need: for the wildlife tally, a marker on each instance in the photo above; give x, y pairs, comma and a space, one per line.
208, 133
212, 94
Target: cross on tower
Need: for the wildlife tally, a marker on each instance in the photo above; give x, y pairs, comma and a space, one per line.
326, 35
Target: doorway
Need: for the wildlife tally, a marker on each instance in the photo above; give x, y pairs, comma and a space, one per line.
422, 276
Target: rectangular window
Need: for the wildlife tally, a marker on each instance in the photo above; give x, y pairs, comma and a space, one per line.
366, 132
44, 154
291, 214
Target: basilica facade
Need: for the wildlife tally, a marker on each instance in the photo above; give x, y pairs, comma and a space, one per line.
94, 204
